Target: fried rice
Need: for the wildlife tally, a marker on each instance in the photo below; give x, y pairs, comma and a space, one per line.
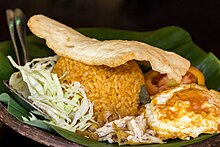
114, 91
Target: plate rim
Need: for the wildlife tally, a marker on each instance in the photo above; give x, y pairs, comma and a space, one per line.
34, 133
49, 139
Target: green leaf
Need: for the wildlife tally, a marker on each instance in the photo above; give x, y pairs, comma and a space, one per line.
168, 38
6, 48
13, 107
93, 143
6, 68
210, 66
4, 97
18, 112
40, 124
38, 47
78, 138
110, 34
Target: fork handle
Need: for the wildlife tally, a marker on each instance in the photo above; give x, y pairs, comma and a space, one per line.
10, 21
20, 23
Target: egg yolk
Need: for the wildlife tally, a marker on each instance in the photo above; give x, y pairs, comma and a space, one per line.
186, 101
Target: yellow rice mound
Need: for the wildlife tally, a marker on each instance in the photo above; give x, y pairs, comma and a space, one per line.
114, 91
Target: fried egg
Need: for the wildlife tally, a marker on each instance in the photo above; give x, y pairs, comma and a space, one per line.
185, 111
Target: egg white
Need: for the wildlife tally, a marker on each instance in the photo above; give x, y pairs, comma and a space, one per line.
190, 124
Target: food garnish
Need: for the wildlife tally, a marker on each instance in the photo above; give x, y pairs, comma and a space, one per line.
154, 81
66, 105
92, 87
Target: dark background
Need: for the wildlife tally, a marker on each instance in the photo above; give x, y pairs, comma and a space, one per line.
201, 18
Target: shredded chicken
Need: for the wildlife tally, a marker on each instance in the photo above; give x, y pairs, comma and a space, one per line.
128, 130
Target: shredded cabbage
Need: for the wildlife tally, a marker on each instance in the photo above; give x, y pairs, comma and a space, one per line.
66, 105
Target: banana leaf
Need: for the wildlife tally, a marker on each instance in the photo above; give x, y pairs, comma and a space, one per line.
173, 39
19, 112
93, 143
168, 38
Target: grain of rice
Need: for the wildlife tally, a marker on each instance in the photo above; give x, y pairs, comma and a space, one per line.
114, 91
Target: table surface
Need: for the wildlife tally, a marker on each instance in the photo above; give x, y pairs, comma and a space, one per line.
200, 18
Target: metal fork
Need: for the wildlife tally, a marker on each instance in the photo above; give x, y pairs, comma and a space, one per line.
17, 19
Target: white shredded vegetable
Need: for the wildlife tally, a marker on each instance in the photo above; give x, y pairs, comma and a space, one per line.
66, 105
